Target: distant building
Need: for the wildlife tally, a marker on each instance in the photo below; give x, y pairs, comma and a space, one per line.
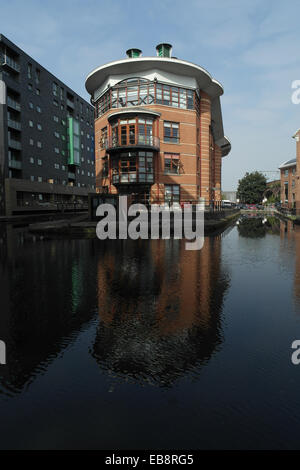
46, 137
158, 128
229, 196
289, 178
288, 183
272, 183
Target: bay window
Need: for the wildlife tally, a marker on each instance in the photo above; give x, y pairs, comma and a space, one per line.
133, 167
140, 91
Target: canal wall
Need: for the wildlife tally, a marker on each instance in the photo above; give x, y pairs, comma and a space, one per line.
81, 228
285, 216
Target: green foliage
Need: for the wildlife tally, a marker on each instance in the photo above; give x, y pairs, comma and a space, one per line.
258, 227
251, 228
272, 198
251, 188
272, 192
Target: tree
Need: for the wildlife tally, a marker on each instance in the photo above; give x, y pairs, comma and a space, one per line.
272, 192
251, 188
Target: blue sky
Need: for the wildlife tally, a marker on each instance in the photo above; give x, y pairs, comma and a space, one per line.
251, 47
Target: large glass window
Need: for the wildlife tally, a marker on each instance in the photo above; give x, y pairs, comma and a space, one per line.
105, 168
139, 91
145, 127
133, 167
132, 132
29, 70
54, 88
172, 193
172, 163
103, 138
145, 167
286, 191
171, 132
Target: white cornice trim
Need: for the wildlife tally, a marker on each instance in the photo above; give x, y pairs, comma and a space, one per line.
139, 64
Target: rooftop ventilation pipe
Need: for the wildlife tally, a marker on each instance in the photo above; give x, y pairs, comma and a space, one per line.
132, 53
164, 50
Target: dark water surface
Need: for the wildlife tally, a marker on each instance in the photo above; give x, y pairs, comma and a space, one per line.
142, 344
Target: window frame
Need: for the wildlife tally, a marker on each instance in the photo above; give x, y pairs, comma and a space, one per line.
173, 193
172, 157
146, 92
172, 139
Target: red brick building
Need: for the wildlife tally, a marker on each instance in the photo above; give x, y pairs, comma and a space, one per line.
289, 178
158, 128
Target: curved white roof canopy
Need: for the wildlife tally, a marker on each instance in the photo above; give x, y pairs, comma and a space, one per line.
138, 65
141, 64
289, 163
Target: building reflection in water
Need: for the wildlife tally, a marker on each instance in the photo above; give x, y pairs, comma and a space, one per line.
258, 227
160, 309
48, 294
159, 305
290, 232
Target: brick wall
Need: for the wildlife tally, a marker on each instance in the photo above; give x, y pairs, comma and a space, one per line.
200, 158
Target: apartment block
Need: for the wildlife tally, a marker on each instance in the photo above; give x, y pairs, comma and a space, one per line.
47, 153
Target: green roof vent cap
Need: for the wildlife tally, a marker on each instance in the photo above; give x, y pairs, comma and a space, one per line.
164, 50
132, 53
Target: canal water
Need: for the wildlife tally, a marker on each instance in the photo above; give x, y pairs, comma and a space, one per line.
144, 345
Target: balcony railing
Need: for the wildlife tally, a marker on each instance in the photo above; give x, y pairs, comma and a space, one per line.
13, 104
8, 61
15, 144
137, 140
132, 177
70, 103
14, 124
15, 164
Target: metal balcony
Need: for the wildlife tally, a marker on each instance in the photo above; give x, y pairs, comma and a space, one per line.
14, 144
11, 63
133, 177
14, 124
70, 104
13, 104
15, 164
138, 140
